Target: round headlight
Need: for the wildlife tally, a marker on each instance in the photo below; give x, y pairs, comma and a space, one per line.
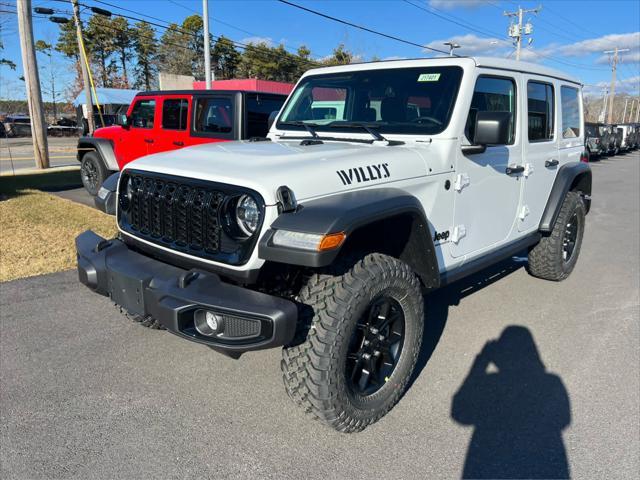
247, 214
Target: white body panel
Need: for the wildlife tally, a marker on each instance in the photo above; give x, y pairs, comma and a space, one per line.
483, 207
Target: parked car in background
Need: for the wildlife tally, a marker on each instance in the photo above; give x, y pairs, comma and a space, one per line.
625, 146
168, 120
636, 135
618, 134
17, 126
592, 140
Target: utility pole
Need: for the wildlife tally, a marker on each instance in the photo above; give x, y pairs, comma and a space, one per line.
84, 61
32, 82
614, 65
603, 113
516, 30
207, 44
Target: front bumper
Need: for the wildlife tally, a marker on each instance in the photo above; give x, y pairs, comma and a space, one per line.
145, 286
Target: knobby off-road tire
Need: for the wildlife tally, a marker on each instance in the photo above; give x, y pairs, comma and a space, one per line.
549, 259
93, 172
146, 321
335, 306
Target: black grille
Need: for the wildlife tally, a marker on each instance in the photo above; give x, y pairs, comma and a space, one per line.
180, 213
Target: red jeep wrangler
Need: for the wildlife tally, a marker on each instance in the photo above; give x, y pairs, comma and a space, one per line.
168, 120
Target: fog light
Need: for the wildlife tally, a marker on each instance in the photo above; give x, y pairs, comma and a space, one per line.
207, 323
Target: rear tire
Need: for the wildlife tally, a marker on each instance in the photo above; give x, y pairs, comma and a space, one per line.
555, 256
347, 370
93, 172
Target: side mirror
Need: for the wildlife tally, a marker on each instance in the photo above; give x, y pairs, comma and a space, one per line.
272, 118
122, 120
491, 128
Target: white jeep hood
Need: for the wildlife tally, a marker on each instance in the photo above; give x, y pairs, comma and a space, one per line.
310, 171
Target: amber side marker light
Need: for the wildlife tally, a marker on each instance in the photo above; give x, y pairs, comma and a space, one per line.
331, 241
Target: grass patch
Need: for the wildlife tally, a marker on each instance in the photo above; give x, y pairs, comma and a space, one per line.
38, 230
50, 179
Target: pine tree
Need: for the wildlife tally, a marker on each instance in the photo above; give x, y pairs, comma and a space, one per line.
225, 58
122, 44
99, 40
146, 50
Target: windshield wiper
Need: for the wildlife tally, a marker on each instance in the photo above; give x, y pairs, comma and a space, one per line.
310, 127
368, 128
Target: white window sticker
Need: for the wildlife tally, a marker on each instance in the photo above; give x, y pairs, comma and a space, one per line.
429, 77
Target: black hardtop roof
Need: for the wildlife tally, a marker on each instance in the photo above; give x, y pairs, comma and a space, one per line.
156, 93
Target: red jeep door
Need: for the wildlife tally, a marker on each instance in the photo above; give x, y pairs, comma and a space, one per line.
173, 132
140, 134
214, 119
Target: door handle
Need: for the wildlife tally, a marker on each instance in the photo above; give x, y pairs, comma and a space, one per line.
148, 140
178, 144
551, 163
514, 170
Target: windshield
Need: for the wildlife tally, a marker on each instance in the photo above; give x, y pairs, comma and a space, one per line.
591, 130
403, 101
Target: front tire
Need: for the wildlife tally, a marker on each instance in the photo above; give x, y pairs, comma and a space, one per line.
93, 172
364, 325
555, 256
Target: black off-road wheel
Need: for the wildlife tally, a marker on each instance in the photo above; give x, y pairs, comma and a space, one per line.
93, 172
361, 332
556, 255
146, 321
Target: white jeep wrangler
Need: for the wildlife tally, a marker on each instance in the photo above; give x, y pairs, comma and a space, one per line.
377, 182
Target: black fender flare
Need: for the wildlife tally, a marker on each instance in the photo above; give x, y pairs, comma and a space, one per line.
107, 195
349, 212
571, 176
103, 146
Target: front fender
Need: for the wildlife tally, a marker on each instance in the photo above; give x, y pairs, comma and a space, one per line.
350, 213
103, 146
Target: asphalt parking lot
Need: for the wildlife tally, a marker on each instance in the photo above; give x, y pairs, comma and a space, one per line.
17, 153
86, 394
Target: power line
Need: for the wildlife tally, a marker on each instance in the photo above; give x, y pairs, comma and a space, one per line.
360, 27
176, 28
215, 19
259, 49
460, 23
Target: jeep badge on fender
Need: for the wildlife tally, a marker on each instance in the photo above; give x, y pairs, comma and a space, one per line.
245, 246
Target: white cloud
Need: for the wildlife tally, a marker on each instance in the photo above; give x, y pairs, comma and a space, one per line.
625, 58
472, 45
452, 4
258, 40
600, 44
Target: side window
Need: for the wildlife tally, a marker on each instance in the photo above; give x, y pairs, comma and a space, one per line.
174, 114
570, 99
493, 94
143, 113
213, 115
540, 117
259, 107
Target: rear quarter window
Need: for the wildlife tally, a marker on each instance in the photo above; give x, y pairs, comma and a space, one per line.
570, 99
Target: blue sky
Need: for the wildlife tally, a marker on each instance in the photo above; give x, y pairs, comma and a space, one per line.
568, 35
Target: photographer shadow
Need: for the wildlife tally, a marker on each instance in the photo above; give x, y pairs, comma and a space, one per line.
518, 409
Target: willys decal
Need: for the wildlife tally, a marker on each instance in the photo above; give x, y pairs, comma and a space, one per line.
364, 174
